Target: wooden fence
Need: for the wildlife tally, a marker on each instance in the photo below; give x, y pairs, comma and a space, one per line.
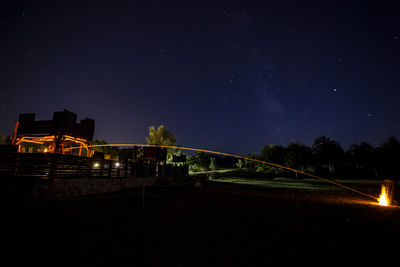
69, 166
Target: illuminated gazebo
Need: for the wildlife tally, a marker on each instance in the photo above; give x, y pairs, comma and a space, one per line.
53, 136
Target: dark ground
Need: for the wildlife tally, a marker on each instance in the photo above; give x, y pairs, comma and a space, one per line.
247, 226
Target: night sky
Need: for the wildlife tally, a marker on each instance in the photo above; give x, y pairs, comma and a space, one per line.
230, 76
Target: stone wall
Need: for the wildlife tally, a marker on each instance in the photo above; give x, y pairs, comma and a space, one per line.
93, 186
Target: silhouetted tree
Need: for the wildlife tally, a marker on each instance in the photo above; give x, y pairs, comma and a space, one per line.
387, 156
225, 162
360, 157
298, 156
274, 154
327, 152
249, 164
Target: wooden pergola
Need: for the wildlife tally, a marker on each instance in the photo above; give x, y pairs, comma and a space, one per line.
54, 136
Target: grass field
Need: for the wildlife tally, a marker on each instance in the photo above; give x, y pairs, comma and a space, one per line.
277, 181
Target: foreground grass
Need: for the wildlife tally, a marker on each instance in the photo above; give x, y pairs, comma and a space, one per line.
271, 180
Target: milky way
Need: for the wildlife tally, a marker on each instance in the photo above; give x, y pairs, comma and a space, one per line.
228, 76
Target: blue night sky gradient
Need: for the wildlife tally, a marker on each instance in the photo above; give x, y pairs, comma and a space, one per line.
227, 75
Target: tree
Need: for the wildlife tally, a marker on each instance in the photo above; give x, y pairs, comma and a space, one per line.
225, 162
161, 136
387, 158
200, 161
360, 157
5, 140
2, 139
298, 156
240, 164
173, 154
249, 164
274, 154
327, 152
108, 150
212, 164
103, 149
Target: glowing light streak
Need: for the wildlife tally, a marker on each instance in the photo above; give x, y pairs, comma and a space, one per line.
240, 157
30, 141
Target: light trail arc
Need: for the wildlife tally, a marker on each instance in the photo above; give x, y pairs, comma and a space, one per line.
239, 157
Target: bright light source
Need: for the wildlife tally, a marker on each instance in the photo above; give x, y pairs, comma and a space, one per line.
383, 198
96, 165
117, 164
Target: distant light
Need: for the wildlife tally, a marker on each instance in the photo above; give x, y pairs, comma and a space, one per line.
117, 164
96, 165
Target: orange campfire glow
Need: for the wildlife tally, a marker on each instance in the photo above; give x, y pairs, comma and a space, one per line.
383, 198
49, 143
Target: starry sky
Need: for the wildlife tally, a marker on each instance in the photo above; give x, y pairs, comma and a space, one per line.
231, 76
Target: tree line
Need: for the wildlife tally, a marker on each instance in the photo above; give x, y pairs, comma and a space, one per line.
325, 157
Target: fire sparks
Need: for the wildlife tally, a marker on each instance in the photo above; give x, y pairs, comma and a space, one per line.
383, 198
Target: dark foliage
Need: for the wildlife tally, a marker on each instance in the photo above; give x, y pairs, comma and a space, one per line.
327, 158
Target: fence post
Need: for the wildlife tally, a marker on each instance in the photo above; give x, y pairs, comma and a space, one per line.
101, 170
90, 167
53, 166
126, 167
143, 195
133, 169
109, 168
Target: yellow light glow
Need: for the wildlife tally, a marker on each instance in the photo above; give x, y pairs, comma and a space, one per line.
50, 141
235, 156
383, 198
